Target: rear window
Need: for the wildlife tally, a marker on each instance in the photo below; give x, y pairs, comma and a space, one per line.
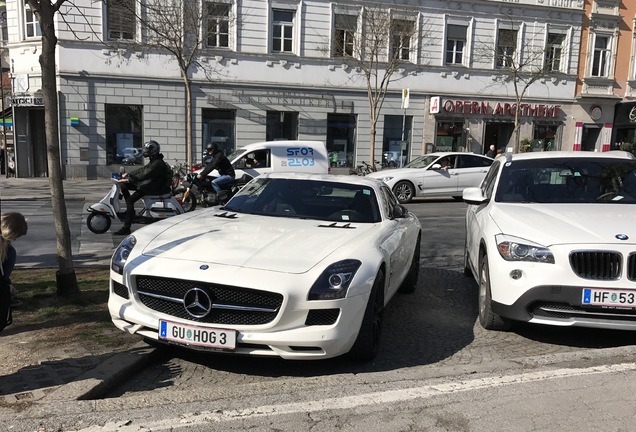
568, 180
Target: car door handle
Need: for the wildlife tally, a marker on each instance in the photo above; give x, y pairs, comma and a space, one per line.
454, 173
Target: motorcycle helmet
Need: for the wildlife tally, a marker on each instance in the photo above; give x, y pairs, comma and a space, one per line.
151, 148
212, 147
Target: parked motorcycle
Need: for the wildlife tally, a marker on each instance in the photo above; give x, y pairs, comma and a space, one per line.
155, 208
194, 191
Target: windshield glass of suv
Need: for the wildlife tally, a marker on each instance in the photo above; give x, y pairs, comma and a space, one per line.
568, 180
307, 199
421, 162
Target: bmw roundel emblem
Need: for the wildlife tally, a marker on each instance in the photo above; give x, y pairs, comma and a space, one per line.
204, 267
622, 236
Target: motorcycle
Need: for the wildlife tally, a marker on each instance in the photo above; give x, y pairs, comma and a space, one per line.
154, 208
194, 191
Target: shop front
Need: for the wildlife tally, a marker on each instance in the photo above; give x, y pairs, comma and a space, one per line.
474, 125
624, 125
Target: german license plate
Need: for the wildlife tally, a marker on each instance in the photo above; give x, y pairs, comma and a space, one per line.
196, 335
609, 298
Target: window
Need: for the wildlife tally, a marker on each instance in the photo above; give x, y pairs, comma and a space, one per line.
281, 125
283, 31
218, 127
455, 43
32, 25
554, 52
346, 27
401, 34
341, 136
546, 137
218, 25
120, 19
123, 130
506, 47
396, 140
601, 58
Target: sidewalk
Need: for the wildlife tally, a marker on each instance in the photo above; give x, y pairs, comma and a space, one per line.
74, 372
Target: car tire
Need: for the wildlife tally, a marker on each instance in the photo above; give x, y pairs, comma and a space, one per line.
367, 343
410, 282
98, 223
487, 318
404, 191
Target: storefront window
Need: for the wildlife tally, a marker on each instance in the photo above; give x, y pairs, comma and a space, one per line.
123, 132
449, 136
546, 137
341, 129
281, 125
218, 127
396, 142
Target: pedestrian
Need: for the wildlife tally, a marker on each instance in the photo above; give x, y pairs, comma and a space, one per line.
12, 226
491, 152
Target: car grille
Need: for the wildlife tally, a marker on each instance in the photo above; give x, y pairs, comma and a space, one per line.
631, 267
596, 265
322, 317
565, 311
235, 305
120, 290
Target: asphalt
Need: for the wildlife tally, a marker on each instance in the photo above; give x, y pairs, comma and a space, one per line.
76, 375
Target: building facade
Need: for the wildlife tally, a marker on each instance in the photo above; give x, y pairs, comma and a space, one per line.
289, 69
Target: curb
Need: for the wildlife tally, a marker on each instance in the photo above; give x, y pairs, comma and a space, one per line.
97, 382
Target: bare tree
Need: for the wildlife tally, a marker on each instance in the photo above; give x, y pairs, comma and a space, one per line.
45, 11
176, 27
521, 61
378, 46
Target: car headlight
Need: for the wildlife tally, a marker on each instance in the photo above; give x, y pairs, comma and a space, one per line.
122, 253
386, 179
515, 249
334, 282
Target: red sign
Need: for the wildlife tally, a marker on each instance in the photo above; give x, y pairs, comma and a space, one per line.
501, 109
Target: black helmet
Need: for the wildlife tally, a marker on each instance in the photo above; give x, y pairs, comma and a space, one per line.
213, 147
151, 148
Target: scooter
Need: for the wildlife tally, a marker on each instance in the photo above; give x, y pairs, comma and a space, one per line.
155, 208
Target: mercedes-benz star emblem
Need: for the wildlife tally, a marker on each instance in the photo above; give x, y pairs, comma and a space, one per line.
197, 303
622, 236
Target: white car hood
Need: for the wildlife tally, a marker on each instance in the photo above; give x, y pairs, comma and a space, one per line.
552, 224
256, 242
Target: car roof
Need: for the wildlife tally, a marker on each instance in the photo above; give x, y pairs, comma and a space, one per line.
569, 154
440, 154
350, 179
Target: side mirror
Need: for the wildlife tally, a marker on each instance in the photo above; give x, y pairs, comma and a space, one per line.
399, 211
474, 196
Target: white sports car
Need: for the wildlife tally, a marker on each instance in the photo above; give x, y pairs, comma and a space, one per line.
436, 175
299, 266
551, 239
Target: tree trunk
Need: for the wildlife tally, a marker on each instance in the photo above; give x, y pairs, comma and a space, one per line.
66, 279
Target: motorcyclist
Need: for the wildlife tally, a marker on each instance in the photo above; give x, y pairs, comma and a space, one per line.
152, 179
222, 165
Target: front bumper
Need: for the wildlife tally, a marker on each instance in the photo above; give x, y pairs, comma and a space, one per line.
288, 336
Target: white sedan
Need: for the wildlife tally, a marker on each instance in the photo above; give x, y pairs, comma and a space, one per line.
551, 239
299, 266
436, 175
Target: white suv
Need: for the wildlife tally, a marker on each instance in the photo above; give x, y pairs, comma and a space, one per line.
551, 239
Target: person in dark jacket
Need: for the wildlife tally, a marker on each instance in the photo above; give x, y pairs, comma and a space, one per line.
152, 179
222, 165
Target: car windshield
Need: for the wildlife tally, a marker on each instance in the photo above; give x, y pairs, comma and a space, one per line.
307, 199
236, 153
422, 161
568, 180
